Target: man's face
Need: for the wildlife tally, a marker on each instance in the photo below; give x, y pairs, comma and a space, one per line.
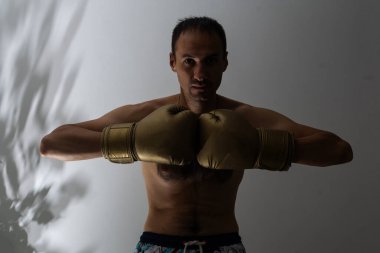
199, 62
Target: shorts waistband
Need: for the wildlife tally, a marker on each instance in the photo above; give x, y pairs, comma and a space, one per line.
172, 241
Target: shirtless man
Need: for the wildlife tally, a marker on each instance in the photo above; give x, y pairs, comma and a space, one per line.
192, 205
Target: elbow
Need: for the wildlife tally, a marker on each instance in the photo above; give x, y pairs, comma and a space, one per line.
49, 149
44, 146
341, 150
48, 142
346, 152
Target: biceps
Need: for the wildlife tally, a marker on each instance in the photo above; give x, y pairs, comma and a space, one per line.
300, 131
94, 125
274, 120
297, 129
100, 123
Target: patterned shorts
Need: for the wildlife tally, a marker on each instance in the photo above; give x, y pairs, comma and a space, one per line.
156, 243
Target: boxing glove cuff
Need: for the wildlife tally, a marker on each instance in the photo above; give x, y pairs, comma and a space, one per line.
276, 150
117, 143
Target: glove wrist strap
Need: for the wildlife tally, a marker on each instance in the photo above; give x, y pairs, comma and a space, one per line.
276, 150
117, 143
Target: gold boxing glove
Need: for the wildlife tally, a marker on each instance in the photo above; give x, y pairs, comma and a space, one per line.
166, 136
228, 141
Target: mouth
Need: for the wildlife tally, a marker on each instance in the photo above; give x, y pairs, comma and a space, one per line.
198, 89
199, 86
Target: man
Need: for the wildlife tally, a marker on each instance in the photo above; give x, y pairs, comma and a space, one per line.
194, 146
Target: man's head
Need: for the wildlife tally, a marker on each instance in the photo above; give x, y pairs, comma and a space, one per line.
203, 24
199, 57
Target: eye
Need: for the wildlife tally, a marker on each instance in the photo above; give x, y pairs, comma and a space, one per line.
189, 62
211, 60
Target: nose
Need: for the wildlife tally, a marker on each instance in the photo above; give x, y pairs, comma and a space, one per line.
200, 72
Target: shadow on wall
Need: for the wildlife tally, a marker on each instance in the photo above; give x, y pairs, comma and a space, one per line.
34, 84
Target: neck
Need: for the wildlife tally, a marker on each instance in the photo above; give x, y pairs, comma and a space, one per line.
198, 107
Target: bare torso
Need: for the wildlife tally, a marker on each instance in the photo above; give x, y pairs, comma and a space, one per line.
191, 200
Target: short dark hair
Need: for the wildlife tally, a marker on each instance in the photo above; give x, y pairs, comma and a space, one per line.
204, 24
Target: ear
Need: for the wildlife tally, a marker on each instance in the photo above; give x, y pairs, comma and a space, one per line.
225, 59
172, 61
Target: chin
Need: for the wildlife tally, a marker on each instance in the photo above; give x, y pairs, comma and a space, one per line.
204, 99
201, 98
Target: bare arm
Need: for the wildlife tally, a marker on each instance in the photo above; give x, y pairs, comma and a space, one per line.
72, 142
82, 140
319, 148
312, 146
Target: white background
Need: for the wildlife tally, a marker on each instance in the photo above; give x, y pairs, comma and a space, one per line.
317, 62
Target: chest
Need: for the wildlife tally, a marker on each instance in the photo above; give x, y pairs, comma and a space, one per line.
193, 173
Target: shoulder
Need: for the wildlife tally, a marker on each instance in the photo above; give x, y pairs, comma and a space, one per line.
135, 112
266, 118
257, 116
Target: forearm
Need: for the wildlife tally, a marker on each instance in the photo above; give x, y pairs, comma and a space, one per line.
70, 143
322, 149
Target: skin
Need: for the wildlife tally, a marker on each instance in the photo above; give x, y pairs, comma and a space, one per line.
192, 200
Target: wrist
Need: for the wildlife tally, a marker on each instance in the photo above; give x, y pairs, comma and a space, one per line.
276, 150
117, 143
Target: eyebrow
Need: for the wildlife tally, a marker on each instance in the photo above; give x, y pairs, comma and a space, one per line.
208, 56
186, 55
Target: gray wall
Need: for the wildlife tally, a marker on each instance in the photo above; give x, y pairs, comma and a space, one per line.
317, 62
